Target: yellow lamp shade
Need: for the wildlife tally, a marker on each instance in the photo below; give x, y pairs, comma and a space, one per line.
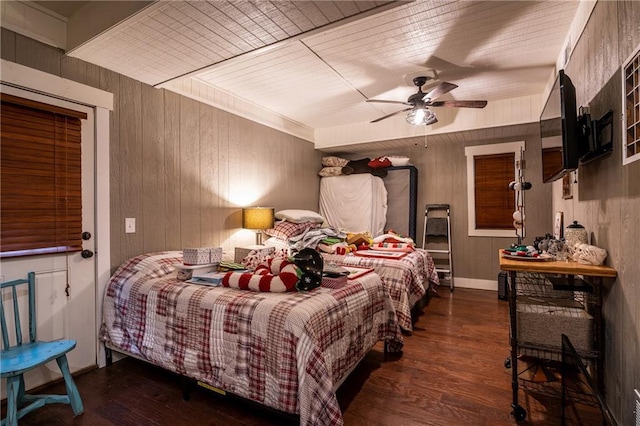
257, 217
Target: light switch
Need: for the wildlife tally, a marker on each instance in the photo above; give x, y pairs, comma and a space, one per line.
130, 225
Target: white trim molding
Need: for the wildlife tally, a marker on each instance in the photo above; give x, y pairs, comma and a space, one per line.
15, 75
34, 21
103, 218
470, 152
37, 81
477, 284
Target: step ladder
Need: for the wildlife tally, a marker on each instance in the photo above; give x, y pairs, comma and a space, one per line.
436, 236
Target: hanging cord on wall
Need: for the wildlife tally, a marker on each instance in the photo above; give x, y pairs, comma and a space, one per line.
67, 289
57, 178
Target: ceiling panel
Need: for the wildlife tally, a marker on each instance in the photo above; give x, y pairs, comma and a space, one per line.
179, 37
296, 78
317, 62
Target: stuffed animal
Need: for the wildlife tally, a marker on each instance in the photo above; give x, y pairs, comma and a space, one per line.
276, 275
380, 162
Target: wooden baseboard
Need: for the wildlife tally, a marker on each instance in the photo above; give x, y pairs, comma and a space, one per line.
476, 284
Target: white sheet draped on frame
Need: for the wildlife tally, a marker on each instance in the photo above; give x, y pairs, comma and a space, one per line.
354, 203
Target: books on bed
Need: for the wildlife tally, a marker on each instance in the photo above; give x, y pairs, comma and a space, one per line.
338, 277
186, 272
232, 266
355, 272
208, 278
383, 254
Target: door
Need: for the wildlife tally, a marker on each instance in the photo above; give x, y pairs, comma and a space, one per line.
65, 282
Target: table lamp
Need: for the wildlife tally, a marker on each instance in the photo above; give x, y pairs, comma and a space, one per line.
258, 219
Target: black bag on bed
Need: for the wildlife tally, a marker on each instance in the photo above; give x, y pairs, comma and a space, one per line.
311, 264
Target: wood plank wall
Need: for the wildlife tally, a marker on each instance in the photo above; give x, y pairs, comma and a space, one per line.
442, 179
606, 199
181, 168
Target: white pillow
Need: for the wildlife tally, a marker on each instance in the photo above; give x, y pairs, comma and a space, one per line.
276, 242
398, 161
298, 216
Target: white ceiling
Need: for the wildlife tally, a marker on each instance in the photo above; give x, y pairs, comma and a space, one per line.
316, 62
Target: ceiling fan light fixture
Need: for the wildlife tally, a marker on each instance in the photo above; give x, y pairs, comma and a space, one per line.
418, 104
421, 117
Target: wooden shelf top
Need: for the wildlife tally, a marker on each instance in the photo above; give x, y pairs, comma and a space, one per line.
568, 267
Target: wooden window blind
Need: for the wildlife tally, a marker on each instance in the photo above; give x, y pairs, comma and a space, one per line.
41, 180
495, 202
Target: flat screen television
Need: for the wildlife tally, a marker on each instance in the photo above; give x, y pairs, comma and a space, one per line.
561, 134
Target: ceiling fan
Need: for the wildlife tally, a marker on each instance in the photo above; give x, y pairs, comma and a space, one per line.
419, 102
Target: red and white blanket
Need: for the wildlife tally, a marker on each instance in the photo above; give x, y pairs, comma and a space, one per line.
284, 350
406, 279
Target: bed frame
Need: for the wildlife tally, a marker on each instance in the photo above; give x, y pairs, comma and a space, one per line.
189, 383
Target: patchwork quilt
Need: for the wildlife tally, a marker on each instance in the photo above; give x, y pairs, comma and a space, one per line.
284, 350
406, 279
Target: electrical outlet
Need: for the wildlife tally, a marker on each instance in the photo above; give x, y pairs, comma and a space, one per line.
130, 225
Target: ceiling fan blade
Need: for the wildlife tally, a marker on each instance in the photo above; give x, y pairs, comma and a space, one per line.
459, 104
439, 90
391, 115
388, 102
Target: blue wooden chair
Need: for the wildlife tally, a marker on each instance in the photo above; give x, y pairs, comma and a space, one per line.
16, 360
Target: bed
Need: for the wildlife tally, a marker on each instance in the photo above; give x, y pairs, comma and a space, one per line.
288, 351
407, 279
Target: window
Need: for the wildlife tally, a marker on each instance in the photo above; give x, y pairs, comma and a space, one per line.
40, 172
494, 199
490, 169
631, 108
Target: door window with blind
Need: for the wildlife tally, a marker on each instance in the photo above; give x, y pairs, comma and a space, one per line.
490, 169
41, 179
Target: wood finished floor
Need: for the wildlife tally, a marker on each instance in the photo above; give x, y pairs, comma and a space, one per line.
450, 373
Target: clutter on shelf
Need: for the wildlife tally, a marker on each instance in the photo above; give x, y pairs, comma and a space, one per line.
575, 234
337, 166
563, 249
589, 255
